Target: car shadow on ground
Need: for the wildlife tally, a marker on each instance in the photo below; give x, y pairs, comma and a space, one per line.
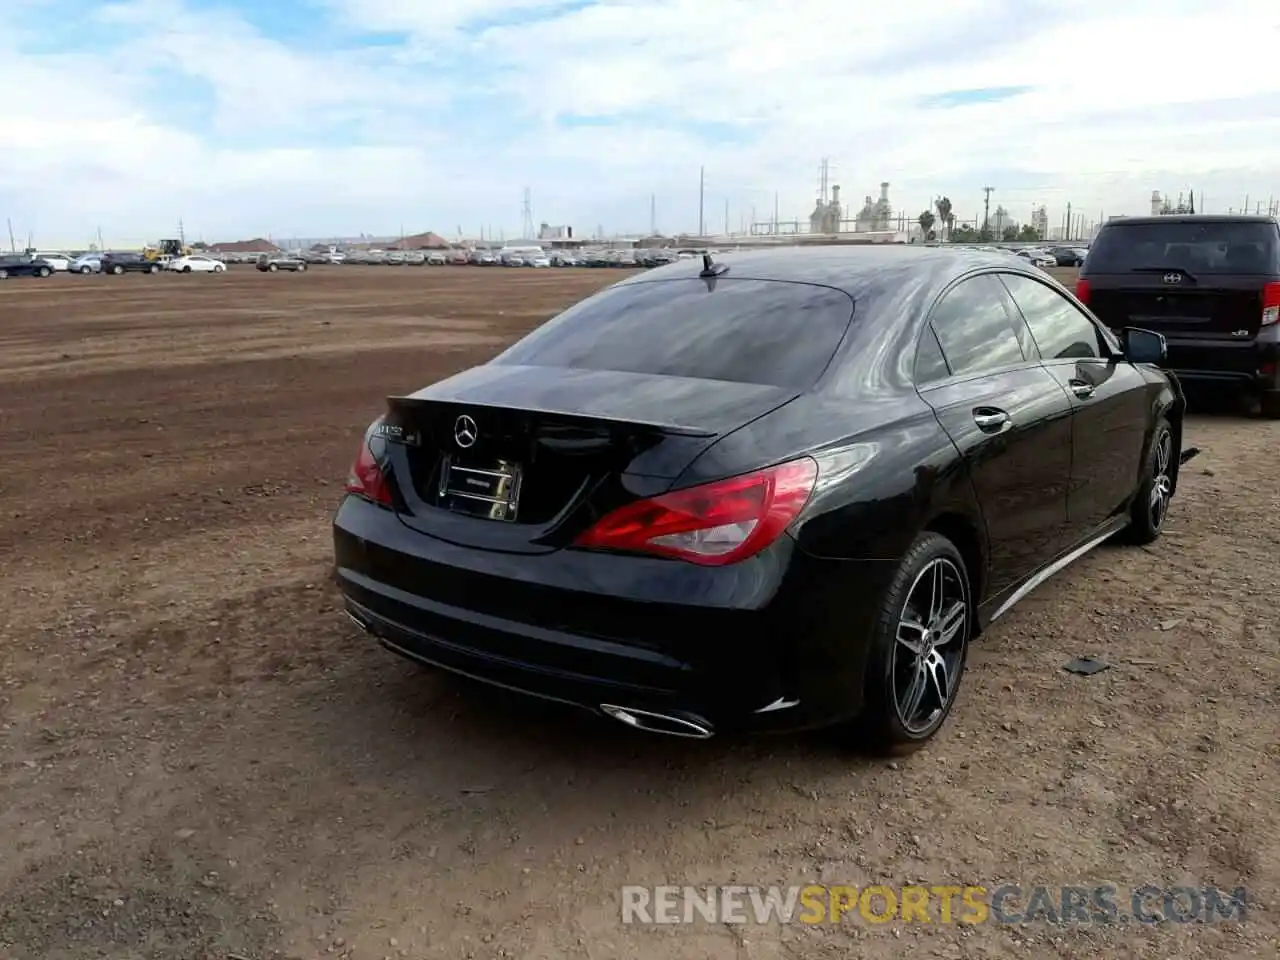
1219, 404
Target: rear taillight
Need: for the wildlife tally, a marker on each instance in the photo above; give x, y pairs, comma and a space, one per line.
366, 478
1082, 291
713, 524
1270, 304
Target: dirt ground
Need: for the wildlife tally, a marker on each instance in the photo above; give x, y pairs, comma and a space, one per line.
201, 758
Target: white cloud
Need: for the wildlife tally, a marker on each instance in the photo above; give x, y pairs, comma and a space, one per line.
335, 116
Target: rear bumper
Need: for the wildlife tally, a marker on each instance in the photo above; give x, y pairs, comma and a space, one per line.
1248, 365
727, 646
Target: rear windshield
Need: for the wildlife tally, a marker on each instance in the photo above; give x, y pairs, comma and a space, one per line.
745, 331
1198, 248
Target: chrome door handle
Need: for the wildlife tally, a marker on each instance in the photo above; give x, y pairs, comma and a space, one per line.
1081, 389
990, 420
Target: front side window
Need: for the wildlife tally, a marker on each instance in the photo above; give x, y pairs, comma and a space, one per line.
1058, 327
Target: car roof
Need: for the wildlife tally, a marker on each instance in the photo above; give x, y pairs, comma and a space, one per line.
1193, 218
855, 269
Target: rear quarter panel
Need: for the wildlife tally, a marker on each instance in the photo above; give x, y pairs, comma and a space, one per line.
885, 470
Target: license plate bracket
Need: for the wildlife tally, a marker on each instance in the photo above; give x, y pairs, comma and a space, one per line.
487, 488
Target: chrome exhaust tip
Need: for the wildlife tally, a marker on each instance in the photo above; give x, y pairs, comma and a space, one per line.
664, 723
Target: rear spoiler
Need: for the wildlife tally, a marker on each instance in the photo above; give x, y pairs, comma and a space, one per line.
670, 429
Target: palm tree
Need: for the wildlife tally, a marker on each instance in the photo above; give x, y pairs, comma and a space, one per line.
943, 205
926, 221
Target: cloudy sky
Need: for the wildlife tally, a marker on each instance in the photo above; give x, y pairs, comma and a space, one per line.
330, 117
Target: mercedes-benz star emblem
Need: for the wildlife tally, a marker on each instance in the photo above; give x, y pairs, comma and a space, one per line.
1173, 278
465, 432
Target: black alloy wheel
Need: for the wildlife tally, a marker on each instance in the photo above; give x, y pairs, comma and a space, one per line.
1150, 506
919, 649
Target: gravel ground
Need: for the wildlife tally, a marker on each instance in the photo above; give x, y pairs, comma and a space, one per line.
200, 758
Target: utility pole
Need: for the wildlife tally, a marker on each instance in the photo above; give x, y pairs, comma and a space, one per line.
775, 213
526, 210
702, 196
13, 244
653, 214
101, 247
1070, 225
726, 218
986, 212
182, 234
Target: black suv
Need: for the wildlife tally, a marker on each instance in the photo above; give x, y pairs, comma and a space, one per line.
278, 261
1210, 284
118, 263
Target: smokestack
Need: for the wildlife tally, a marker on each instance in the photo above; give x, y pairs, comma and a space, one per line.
1155, 203
884, 190
835, 193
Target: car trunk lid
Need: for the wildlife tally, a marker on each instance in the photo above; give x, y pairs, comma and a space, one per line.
521, 458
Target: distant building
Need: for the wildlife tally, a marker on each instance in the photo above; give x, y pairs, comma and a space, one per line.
875, 215
420, 241
826, 217
560, 232
257, 245
1040, 221
1001, 221
1163, 206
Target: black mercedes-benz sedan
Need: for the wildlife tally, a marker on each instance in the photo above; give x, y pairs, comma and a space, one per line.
771, 490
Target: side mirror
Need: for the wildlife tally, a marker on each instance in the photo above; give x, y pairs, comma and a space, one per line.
1143, 346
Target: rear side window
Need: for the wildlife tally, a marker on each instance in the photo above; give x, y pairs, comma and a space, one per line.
766, 332
931, 365
1199, 248
1058, 327
974, 328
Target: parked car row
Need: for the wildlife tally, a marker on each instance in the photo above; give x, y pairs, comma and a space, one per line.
45, 265
1059, 256
531, 257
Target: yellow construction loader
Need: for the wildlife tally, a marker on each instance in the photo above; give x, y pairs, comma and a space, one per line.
166, 249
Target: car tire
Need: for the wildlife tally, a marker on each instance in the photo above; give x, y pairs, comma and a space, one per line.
272, 267
117, 270
187, 268
302, 268
1150, 507
922, 637
85, 271
4, 274
43, 272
